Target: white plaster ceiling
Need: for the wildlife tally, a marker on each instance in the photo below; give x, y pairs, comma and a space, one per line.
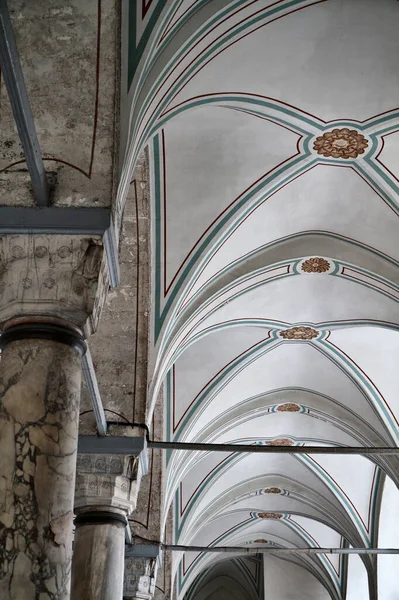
255, 233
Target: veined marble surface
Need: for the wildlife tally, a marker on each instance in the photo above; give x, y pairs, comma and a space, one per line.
40, 391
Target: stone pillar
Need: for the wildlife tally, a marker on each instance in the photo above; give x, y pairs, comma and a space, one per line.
106, 493
40, 390
140, 577
42, 312
99, 554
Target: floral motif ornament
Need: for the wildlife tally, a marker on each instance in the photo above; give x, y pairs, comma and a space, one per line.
299, 333
269, 515
280, 442
272, 490
288, 407
341, 143
315, 265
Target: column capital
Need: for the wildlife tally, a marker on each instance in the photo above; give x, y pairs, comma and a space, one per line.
140, 577
107, 480
56, 276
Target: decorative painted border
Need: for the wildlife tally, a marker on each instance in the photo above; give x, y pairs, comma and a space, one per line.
277, 10
136, 47
337, 578
254, 584
325, 346
381, 182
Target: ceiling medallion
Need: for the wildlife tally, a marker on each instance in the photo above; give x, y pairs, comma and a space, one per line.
299, 333
260, 541
267, 515
281, 442
341, 143
315, 265
288, 407
272, 490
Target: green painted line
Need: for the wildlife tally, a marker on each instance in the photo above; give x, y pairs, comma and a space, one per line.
342, 497
136, 52
365, 386
160, 319
226, 38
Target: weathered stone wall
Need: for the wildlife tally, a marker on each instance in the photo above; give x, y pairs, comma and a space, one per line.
69, 52
119, 347
55, 275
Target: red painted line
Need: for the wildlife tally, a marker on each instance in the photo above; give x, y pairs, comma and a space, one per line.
145, 7
164, 211
224, 211
338, 486
97, 88
376, 158
96, 104
175, 426
168, 24
235, 41
347, 270
137, 298
367, 377
182, 511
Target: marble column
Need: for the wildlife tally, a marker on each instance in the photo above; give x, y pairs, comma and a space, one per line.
99, 554
40, 390
47, 292
106, 493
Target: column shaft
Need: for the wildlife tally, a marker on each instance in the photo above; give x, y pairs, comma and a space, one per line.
39, 409
98, 561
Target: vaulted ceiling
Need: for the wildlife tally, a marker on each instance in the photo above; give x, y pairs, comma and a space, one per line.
273, 137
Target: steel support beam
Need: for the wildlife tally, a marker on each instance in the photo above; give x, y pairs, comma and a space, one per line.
64, 221
246, 448
112, 444
92, 385
14, 80
54, 219
272, 550
143, 551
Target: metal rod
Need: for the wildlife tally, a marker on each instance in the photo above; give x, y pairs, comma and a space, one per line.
14, 80
272, 550
244, 448
92, 385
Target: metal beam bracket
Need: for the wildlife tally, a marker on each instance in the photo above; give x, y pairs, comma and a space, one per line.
92, 444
